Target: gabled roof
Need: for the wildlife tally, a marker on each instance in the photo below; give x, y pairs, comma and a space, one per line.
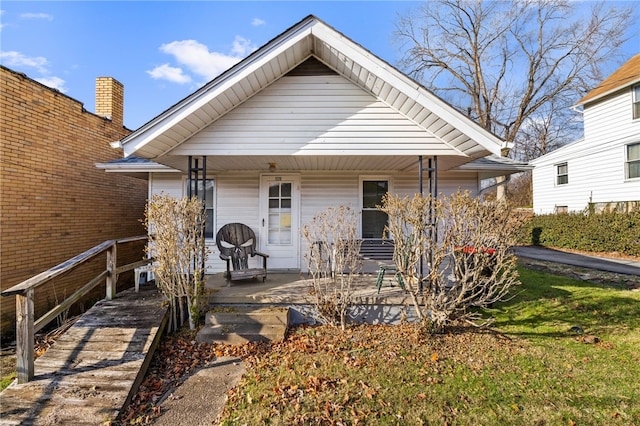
627, 75
310, 38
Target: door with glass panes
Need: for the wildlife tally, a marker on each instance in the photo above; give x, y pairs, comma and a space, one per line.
279, 232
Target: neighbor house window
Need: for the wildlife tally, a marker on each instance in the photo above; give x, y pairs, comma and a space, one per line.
562, 174
633, 161
373, 220
207, 194
636, 101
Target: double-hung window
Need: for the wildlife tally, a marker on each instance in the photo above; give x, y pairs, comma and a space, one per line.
562, 174
633, 161
636, 101
206, 191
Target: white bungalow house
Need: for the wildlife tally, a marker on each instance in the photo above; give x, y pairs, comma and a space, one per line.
308, 121
603, 168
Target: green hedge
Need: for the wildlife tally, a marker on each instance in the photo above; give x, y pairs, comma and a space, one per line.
606, 232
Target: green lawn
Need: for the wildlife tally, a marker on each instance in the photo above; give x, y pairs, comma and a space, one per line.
533, 370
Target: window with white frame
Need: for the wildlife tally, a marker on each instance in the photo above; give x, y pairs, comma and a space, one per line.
562, 174
373, 220
209, 204
633, 161
636, 101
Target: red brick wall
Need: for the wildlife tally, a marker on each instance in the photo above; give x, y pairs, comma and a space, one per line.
54, 202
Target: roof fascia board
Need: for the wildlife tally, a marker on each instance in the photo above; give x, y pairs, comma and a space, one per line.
608, 92
409, 87
109, 167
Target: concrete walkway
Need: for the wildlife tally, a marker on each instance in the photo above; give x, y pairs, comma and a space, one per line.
599, 263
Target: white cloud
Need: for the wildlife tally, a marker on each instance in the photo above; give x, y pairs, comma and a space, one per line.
36, 16
242, 47
256, 22
196, 58
167, 72
17, 59
53, 82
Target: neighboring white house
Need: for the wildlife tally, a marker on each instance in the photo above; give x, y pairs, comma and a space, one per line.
603, 167
308, 121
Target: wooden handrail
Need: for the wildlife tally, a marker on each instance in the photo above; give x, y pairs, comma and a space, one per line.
49, 274
26, 325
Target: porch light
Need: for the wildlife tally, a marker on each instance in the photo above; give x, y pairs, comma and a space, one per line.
272, 167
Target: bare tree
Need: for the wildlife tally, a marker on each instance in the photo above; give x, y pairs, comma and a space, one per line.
510, 65
554, 126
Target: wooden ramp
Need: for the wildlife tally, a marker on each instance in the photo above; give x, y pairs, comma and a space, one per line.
90, 373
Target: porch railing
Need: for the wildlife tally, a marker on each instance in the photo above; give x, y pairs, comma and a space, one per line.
27, 326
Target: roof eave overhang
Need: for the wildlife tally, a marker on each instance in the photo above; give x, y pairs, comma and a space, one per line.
135, 168
587, 100
493, 168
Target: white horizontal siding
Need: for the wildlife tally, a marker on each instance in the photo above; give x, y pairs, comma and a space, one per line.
595, 164
163, 183
597, 176
610, 118
316, 115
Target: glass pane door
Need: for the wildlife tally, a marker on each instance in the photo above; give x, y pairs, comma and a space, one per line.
279, 213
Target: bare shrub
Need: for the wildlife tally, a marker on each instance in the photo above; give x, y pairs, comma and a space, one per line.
468, 261
333, 259
408, 227
176, 242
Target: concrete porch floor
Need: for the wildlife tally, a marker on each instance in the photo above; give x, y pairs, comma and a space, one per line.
295, 289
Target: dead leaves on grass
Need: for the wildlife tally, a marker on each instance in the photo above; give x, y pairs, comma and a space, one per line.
318, 397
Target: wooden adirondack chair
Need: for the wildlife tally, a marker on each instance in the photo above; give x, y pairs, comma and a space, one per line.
237, 242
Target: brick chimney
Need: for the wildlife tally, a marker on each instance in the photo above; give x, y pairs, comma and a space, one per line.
110, 99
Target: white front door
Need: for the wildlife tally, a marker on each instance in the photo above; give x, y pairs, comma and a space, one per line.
279, 219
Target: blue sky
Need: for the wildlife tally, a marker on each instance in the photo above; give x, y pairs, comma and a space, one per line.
161, 51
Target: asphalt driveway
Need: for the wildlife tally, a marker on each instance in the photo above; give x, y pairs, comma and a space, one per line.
607, 264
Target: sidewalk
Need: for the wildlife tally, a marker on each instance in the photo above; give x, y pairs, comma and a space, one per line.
618, 266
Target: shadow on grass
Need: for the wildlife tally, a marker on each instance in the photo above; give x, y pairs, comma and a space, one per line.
549, 305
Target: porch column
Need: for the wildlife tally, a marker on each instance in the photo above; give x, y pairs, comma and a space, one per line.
432, 174
195, 174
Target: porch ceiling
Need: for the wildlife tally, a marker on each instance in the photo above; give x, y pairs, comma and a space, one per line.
311, 163
311, 37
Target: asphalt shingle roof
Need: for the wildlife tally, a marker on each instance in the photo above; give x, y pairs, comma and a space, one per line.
626, 75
